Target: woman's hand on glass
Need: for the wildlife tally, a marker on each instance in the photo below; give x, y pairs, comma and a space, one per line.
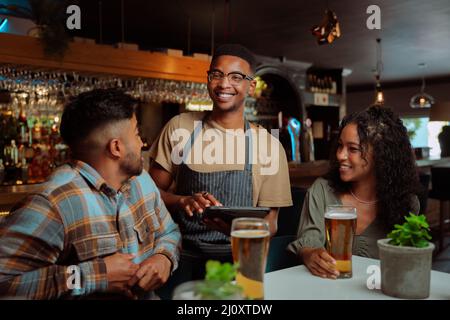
319, 262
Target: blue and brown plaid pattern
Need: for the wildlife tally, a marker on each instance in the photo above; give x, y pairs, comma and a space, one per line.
77, 220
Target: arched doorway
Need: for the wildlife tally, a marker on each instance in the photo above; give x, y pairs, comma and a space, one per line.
276, 102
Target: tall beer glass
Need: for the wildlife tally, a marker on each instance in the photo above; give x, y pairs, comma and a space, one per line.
250, 245
340, 226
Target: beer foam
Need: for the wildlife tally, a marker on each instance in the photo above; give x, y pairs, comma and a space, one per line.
340, 216
250, 234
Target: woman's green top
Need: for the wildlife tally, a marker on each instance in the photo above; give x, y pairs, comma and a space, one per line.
311, 231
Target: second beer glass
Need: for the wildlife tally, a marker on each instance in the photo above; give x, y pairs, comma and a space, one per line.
250, 245
340, 226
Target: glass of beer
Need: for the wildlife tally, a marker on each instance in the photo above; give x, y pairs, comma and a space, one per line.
250, 246
340, 226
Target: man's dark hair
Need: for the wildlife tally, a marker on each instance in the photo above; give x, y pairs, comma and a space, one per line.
237, 50
91, 110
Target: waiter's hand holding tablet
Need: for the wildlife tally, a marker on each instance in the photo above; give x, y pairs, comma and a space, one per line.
214, 214
197, 203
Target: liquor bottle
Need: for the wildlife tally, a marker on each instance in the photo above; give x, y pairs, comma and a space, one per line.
23, 127
7, 155
318, 85
24, 170
2, 171
311, 83
37, 133
314, 87
321, 85
29, 152
333, 86
328, 84
36, 167
14, 153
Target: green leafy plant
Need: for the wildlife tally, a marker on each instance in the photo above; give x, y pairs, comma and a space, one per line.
50, 18
412, 126
218, 283
413, 233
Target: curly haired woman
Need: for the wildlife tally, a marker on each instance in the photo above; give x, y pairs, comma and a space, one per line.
372, 168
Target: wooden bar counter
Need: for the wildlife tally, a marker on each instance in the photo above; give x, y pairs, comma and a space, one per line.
302, 175
10, 195
429, 162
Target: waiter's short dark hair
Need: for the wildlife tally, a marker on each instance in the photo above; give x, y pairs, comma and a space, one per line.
237, 50
93, 109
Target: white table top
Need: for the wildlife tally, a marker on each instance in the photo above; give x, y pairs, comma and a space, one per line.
297, 283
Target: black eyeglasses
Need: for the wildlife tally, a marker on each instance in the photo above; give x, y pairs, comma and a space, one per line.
234, 78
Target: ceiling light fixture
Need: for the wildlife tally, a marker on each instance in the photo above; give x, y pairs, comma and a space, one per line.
422, 99
379, 95
328, 30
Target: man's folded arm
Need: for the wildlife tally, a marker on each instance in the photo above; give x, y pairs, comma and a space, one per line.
32, 240
168, 237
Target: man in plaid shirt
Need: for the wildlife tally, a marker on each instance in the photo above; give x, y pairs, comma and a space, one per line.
99, 220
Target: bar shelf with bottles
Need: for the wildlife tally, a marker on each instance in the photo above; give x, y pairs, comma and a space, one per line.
30, 143
31, 105
262, 111
324, 87
274, 100
324, 104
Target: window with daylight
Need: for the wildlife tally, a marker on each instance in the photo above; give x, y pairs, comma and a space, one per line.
424, 133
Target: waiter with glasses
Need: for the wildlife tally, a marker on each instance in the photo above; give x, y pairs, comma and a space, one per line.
192, 177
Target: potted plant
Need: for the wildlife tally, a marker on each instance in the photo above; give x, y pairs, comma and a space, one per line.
405, 259
217, 285
50, 19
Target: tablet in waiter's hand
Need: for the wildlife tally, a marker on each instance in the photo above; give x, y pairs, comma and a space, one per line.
227, 214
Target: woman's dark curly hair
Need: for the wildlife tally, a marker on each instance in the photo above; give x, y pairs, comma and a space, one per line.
394, 162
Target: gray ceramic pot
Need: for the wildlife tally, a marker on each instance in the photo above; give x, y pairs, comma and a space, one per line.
405, 271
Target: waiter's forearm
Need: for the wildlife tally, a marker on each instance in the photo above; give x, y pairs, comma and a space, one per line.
172, 201
272, 218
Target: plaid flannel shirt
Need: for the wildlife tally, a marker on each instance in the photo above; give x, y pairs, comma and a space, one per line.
76, 221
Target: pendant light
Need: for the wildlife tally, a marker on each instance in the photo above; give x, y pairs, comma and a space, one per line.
422, 99
328, 30
379, 96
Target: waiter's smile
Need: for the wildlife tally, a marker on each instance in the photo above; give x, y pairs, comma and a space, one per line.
224, 96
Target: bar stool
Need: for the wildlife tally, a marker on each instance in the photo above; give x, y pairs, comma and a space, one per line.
440, 182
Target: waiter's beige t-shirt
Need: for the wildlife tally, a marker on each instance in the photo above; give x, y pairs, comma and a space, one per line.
219, 149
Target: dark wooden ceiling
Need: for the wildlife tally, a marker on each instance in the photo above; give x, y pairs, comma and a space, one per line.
412, 31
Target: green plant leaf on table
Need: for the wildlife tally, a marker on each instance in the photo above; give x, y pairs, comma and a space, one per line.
413, 233
218, 281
